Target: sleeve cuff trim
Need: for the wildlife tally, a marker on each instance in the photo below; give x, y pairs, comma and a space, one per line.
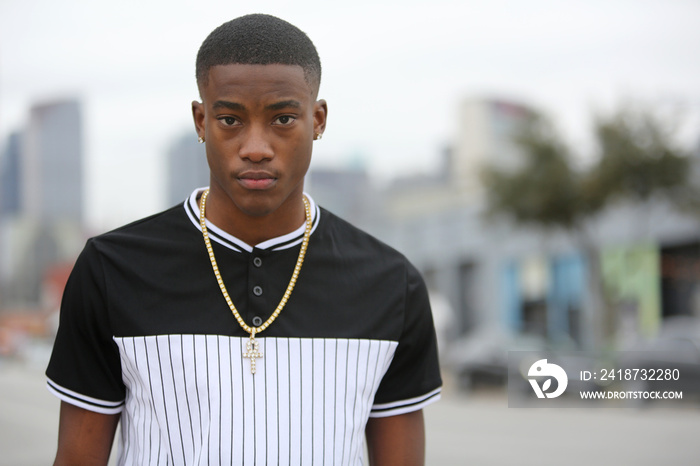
83, 401
405, 406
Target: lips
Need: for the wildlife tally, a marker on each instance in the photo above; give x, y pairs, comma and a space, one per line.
257, 180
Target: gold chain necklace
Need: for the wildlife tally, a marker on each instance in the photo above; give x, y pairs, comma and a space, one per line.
252, 346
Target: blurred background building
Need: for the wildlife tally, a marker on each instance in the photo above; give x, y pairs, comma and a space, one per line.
485, 135
509, 286
51, 169
497, 285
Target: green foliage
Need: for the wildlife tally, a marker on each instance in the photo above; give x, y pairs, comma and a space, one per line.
544, 190
637, 160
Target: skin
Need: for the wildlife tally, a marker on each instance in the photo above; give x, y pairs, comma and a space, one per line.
84, 437
259, 123
396, 440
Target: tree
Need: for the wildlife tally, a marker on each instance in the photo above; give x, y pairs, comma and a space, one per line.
637, 159
544, 191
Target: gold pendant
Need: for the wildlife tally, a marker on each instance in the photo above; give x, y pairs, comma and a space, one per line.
252, 351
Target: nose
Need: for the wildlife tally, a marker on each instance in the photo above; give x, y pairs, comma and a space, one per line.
256, 146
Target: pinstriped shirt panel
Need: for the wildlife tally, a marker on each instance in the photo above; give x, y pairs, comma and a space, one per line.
191, 399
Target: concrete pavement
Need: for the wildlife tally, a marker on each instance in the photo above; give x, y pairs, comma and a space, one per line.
481, 430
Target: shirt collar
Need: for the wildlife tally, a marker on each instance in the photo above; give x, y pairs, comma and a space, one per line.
274, 244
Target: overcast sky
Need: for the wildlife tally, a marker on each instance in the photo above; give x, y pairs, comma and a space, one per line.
393, 74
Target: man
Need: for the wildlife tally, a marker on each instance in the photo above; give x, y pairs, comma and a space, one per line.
249, 325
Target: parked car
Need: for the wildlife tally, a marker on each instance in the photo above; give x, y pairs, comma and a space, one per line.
673, 355
481, 358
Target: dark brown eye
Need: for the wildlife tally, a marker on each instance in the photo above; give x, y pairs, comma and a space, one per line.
285, 120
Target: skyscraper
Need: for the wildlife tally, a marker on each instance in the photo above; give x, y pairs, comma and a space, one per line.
52, 163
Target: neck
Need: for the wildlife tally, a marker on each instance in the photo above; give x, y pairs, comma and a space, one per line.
256, 228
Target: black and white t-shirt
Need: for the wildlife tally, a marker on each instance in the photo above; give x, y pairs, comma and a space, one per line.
145, 332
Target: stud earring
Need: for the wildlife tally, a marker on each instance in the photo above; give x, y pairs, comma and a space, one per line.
200, 139
318, 136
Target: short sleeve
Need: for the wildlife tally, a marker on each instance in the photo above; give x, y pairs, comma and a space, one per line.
413, 378
85, 369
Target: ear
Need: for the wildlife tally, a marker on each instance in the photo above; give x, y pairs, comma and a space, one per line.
320, 115
198, 116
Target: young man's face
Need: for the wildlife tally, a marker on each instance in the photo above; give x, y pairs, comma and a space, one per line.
259, 123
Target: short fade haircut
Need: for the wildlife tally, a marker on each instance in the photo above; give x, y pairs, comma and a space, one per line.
258, 39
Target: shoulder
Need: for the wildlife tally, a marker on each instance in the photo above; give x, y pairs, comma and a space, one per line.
157, 239
163, 226
342, 235
340, 232
165, 220
351, 246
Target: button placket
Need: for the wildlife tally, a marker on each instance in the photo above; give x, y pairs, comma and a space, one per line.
257, 281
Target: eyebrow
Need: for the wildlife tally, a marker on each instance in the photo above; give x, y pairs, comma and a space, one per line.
283, 104
229, 105
273, 106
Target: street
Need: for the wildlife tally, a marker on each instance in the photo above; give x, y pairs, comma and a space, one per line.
461, 430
